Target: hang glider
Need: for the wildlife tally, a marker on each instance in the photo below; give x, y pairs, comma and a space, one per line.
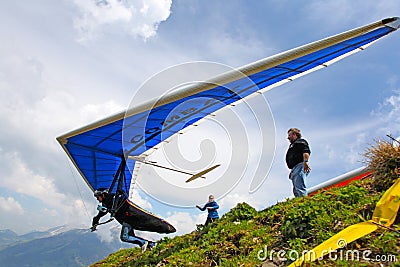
104, 152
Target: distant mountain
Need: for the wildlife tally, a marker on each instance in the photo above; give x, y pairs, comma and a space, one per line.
53, 248
8, 237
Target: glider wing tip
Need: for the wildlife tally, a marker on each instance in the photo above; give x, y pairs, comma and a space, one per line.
61, 140
393, 22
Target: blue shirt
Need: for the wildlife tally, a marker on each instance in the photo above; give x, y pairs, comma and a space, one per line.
212, 213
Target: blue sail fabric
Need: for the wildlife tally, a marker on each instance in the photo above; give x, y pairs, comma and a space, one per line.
97, 152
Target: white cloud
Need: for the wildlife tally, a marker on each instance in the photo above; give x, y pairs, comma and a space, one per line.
24, 181
231, 200
109, 232
388, 113
138, 18
49, 212
137, 198
184, 222
11, 206
39, 106
61, 207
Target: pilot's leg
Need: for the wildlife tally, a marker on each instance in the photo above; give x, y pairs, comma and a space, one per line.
127, 235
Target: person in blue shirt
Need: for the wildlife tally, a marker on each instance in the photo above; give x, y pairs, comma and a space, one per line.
211, 207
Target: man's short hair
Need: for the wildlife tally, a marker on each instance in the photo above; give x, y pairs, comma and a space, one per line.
295, 131
100, 191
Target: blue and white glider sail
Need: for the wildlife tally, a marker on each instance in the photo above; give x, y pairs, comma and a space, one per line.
98, 149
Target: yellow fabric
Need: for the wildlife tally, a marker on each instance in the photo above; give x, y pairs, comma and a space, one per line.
339, 240
386, 209
385, 213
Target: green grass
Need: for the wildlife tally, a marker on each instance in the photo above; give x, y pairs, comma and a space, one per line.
241, 236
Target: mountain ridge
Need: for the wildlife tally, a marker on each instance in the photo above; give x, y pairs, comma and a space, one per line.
59, 246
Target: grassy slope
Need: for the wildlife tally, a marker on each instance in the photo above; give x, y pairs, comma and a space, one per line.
298, 224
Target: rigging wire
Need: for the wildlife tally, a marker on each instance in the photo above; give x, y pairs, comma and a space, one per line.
77, 187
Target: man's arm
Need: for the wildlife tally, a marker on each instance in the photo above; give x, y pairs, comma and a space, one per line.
201, 208
96, 218
307, 168
213, 206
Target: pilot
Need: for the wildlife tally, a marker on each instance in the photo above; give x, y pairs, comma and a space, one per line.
118, 206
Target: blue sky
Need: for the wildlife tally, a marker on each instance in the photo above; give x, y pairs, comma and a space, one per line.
69, 63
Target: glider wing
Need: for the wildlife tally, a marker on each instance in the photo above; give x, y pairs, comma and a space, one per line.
98, 149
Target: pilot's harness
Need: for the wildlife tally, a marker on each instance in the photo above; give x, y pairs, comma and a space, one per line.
119, 199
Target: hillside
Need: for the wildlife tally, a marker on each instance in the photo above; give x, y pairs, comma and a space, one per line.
274, 236
243, 235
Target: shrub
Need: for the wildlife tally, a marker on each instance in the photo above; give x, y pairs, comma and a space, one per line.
383, 159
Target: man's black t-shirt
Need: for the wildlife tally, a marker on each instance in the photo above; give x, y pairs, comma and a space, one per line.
294, 155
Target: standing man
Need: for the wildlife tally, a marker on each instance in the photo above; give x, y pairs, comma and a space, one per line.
211, 207
297, 160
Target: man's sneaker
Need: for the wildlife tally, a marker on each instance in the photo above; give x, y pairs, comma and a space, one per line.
144, 246
151, 245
